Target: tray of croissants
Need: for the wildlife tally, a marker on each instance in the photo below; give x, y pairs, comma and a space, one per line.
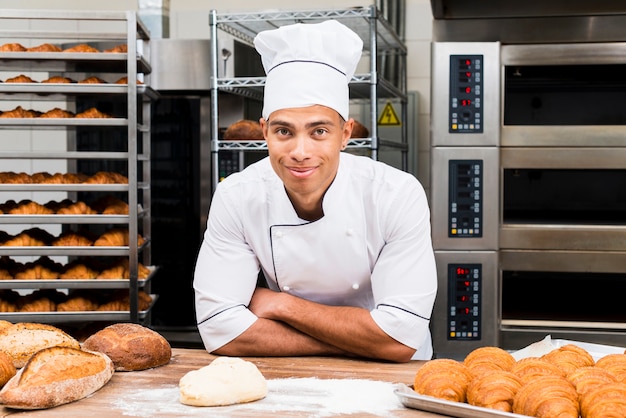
550, 378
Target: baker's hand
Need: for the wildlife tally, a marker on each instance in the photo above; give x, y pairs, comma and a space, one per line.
264, 302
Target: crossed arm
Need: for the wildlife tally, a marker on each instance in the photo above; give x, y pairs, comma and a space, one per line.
291, 326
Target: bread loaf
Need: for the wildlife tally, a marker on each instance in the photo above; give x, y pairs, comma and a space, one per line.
56, 376
7, 369
20, 341
130, 346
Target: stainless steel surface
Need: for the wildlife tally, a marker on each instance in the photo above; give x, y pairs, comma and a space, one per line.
414, 400
71, 61
75, 284
180, 65
439, 198
564, 136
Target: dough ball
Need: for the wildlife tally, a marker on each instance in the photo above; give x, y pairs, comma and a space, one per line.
226, 381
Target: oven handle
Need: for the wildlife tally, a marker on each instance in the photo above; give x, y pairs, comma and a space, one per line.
535, 323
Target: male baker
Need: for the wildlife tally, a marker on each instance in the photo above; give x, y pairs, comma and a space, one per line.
342, 241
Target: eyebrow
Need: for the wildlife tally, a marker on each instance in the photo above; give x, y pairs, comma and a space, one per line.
308, 125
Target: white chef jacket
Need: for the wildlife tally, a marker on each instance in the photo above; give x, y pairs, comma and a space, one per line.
371, 249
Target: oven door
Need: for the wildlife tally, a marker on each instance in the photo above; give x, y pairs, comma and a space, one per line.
576, 295
563, 199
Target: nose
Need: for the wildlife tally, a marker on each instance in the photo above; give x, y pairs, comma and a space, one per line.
300, 148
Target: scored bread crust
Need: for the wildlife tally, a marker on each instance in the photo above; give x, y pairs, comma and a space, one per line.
23, 339
131, 347
55, 376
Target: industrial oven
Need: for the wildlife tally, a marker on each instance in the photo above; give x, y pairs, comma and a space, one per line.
528, 175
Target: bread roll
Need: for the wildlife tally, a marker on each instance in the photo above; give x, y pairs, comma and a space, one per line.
20, 341
443, 378
487, 359
244, 129
55, 376
359, 130
130, 346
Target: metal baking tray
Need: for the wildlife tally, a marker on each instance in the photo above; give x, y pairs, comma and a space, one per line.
79, 316
414, 400
76, 284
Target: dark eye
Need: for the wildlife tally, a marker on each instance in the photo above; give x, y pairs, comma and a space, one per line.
282, 131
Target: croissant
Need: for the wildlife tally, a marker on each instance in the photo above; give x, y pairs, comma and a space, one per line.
72, 239
114, 273
78, 272
39, 177
37, 272
14, 178
547, 397
587, 378
92, 80
121, 302
20, 79
19, 112
604, 401
92, 113
45, 48
81, 48
57, 79
123, 48
30, 208
7, 368
105, 177
616, 364
7, 306
76, 304
487, 359
495, 390
5, 275
78, 208
24, 240
569, 357
12, 47
443, 378
531, 368
116, 237
57, 113
124, 80
36, 304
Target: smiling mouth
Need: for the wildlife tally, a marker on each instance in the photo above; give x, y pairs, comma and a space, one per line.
301, 172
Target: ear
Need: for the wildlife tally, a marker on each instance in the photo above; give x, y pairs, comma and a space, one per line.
347, 133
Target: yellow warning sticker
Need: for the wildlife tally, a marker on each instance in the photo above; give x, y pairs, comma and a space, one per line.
388, 117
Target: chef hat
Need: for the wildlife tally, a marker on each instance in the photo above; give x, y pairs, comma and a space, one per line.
308, 64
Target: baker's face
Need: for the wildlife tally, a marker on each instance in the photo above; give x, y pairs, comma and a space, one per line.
304, 146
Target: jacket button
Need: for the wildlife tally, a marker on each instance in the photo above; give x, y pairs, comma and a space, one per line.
355, 286
286, 288
350, 232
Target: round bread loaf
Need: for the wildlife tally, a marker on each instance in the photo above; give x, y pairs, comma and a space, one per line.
244, 129
130, 346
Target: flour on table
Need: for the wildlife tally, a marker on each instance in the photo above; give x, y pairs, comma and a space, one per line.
311, 397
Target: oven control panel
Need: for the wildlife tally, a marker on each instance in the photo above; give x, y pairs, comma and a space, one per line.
465, 211
466, 93
464, 299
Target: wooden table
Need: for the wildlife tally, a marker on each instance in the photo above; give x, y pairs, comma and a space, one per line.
154, 392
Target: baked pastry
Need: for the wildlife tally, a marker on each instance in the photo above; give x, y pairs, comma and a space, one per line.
78, 208
92, 80
19, 112
40, 177
120, 301
30, 208
57, 113
486, 359
44, 48
359, 130
124, 80
244, 129
569, 358
604, 401
93, 113
78, 271
586, 378
57, 79
23, 339
5, 274
10, 177
616, 364
106, 177
40, 384
7, 369
122, 48
72, 239
77, 304
12, 47
20, 79
531, 368
443, 378
131, 347
81, 48
121, 270
547, 396
36, 272
494, 390
34, 237
116, 237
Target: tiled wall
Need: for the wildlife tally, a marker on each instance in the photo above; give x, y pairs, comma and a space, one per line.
189, 20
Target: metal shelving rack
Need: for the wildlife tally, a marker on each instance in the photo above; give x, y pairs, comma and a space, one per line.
379, 40
121, 27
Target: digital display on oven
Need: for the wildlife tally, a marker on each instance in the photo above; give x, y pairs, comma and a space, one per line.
465, 210
464, 299
466, 86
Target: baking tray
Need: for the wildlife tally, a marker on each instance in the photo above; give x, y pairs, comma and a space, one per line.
548, 344
78, 316
414, 400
